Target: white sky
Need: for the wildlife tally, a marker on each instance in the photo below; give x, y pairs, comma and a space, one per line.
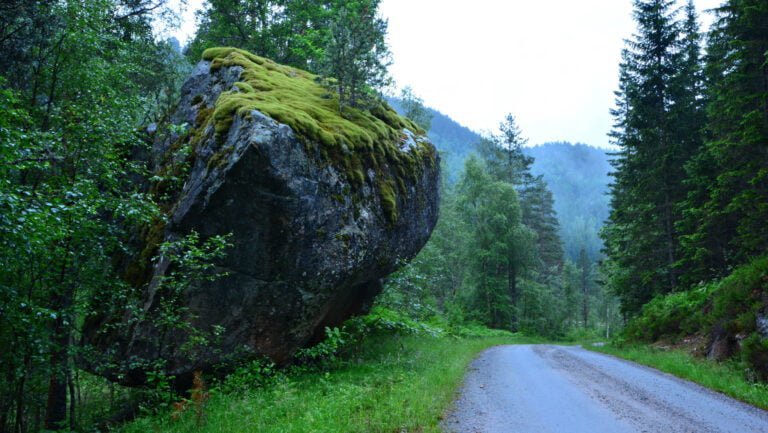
551, 63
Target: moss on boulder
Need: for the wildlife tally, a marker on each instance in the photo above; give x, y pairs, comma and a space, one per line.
354, 139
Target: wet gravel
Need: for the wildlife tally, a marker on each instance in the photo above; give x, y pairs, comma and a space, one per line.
548, 389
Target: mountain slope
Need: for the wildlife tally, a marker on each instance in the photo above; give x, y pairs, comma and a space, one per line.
577, 175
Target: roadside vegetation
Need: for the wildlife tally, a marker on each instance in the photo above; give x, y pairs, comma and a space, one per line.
731, 359
379, 373
726, 377
686, 239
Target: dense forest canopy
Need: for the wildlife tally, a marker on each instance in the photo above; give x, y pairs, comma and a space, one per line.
691, 124
86, 87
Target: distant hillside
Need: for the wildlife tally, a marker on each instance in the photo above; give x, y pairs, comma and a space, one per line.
454, 141
577, 175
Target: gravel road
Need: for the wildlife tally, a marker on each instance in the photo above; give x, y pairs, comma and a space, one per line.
548, 389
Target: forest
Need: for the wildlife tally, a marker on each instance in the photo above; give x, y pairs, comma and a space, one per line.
662, 239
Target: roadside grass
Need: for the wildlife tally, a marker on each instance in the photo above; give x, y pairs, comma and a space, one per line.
390, 384
728, 378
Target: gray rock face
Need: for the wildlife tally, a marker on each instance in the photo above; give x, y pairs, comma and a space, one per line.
309, 247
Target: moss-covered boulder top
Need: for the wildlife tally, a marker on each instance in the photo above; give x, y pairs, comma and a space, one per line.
352, 137
320, 205
301, 100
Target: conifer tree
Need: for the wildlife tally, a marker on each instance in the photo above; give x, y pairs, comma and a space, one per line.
727, 207
356, 53
414, 109
657, 118
540, 216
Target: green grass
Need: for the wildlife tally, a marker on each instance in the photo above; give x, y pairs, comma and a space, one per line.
727, 378
389, 385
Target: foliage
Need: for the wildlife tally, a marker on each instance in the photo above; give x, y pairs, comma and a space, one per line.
733, 304
342, 39
723, 223
82, 80
357, 55
657, 121
390, 383
576, 174
673, 315
413, 108
485, 265
291, 32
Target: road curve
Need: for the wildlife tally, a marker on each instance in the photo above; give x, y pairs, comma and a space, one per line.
549, 389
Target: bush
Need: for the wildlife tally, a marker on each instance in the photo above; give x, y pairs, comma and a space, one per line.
732, 304
741, 296
672, 315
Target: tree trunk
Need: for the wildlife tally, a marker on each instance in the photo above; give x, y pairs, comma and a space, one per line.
512, 290
669, 228
56, 408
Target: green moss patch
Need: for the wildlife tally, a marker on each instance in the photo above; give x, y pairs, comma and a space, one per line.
354, 140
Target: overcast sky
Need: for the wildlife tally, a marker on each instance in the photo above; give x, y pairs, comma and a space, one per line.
551, 63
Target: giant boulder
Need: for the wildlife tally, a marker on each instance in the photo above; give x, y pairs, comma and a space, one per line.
320, 207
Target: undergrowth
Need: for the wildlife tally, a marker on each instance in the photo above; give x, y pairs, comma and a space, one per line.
733, 309
379, 373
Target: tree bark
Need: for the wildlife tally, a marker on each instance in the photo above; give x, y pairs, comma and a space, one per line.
56, 408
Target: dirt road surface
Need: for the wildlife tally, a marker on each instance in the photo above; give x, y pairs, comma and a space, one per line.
552, 389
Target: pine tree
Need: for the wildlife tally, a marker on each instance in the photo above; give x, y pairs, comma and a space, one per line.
585, 281
356, 53
539, 215
504, 157
414, 109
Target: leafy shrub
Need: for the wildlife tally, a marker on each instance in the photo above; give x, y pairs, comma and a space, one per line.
755, 354
255, 374
325, 353
672, 315
731, 304
741, 296
477, 330
381, 321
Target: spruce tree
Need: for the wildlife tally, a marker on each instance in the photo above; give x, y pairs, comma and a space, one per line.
727, 207
539, 215
657, 118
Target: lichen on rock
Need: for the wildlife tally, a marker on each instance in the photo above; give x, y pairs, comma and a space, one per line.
320, 206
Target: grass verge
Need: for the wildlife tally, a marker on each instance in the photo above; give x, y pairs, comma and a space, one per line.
391, 384
727, 378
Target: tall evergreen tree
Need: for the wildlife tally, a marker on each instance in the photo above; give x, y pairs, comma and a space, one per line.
539, 215
657, 119
727, 208
585, 280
